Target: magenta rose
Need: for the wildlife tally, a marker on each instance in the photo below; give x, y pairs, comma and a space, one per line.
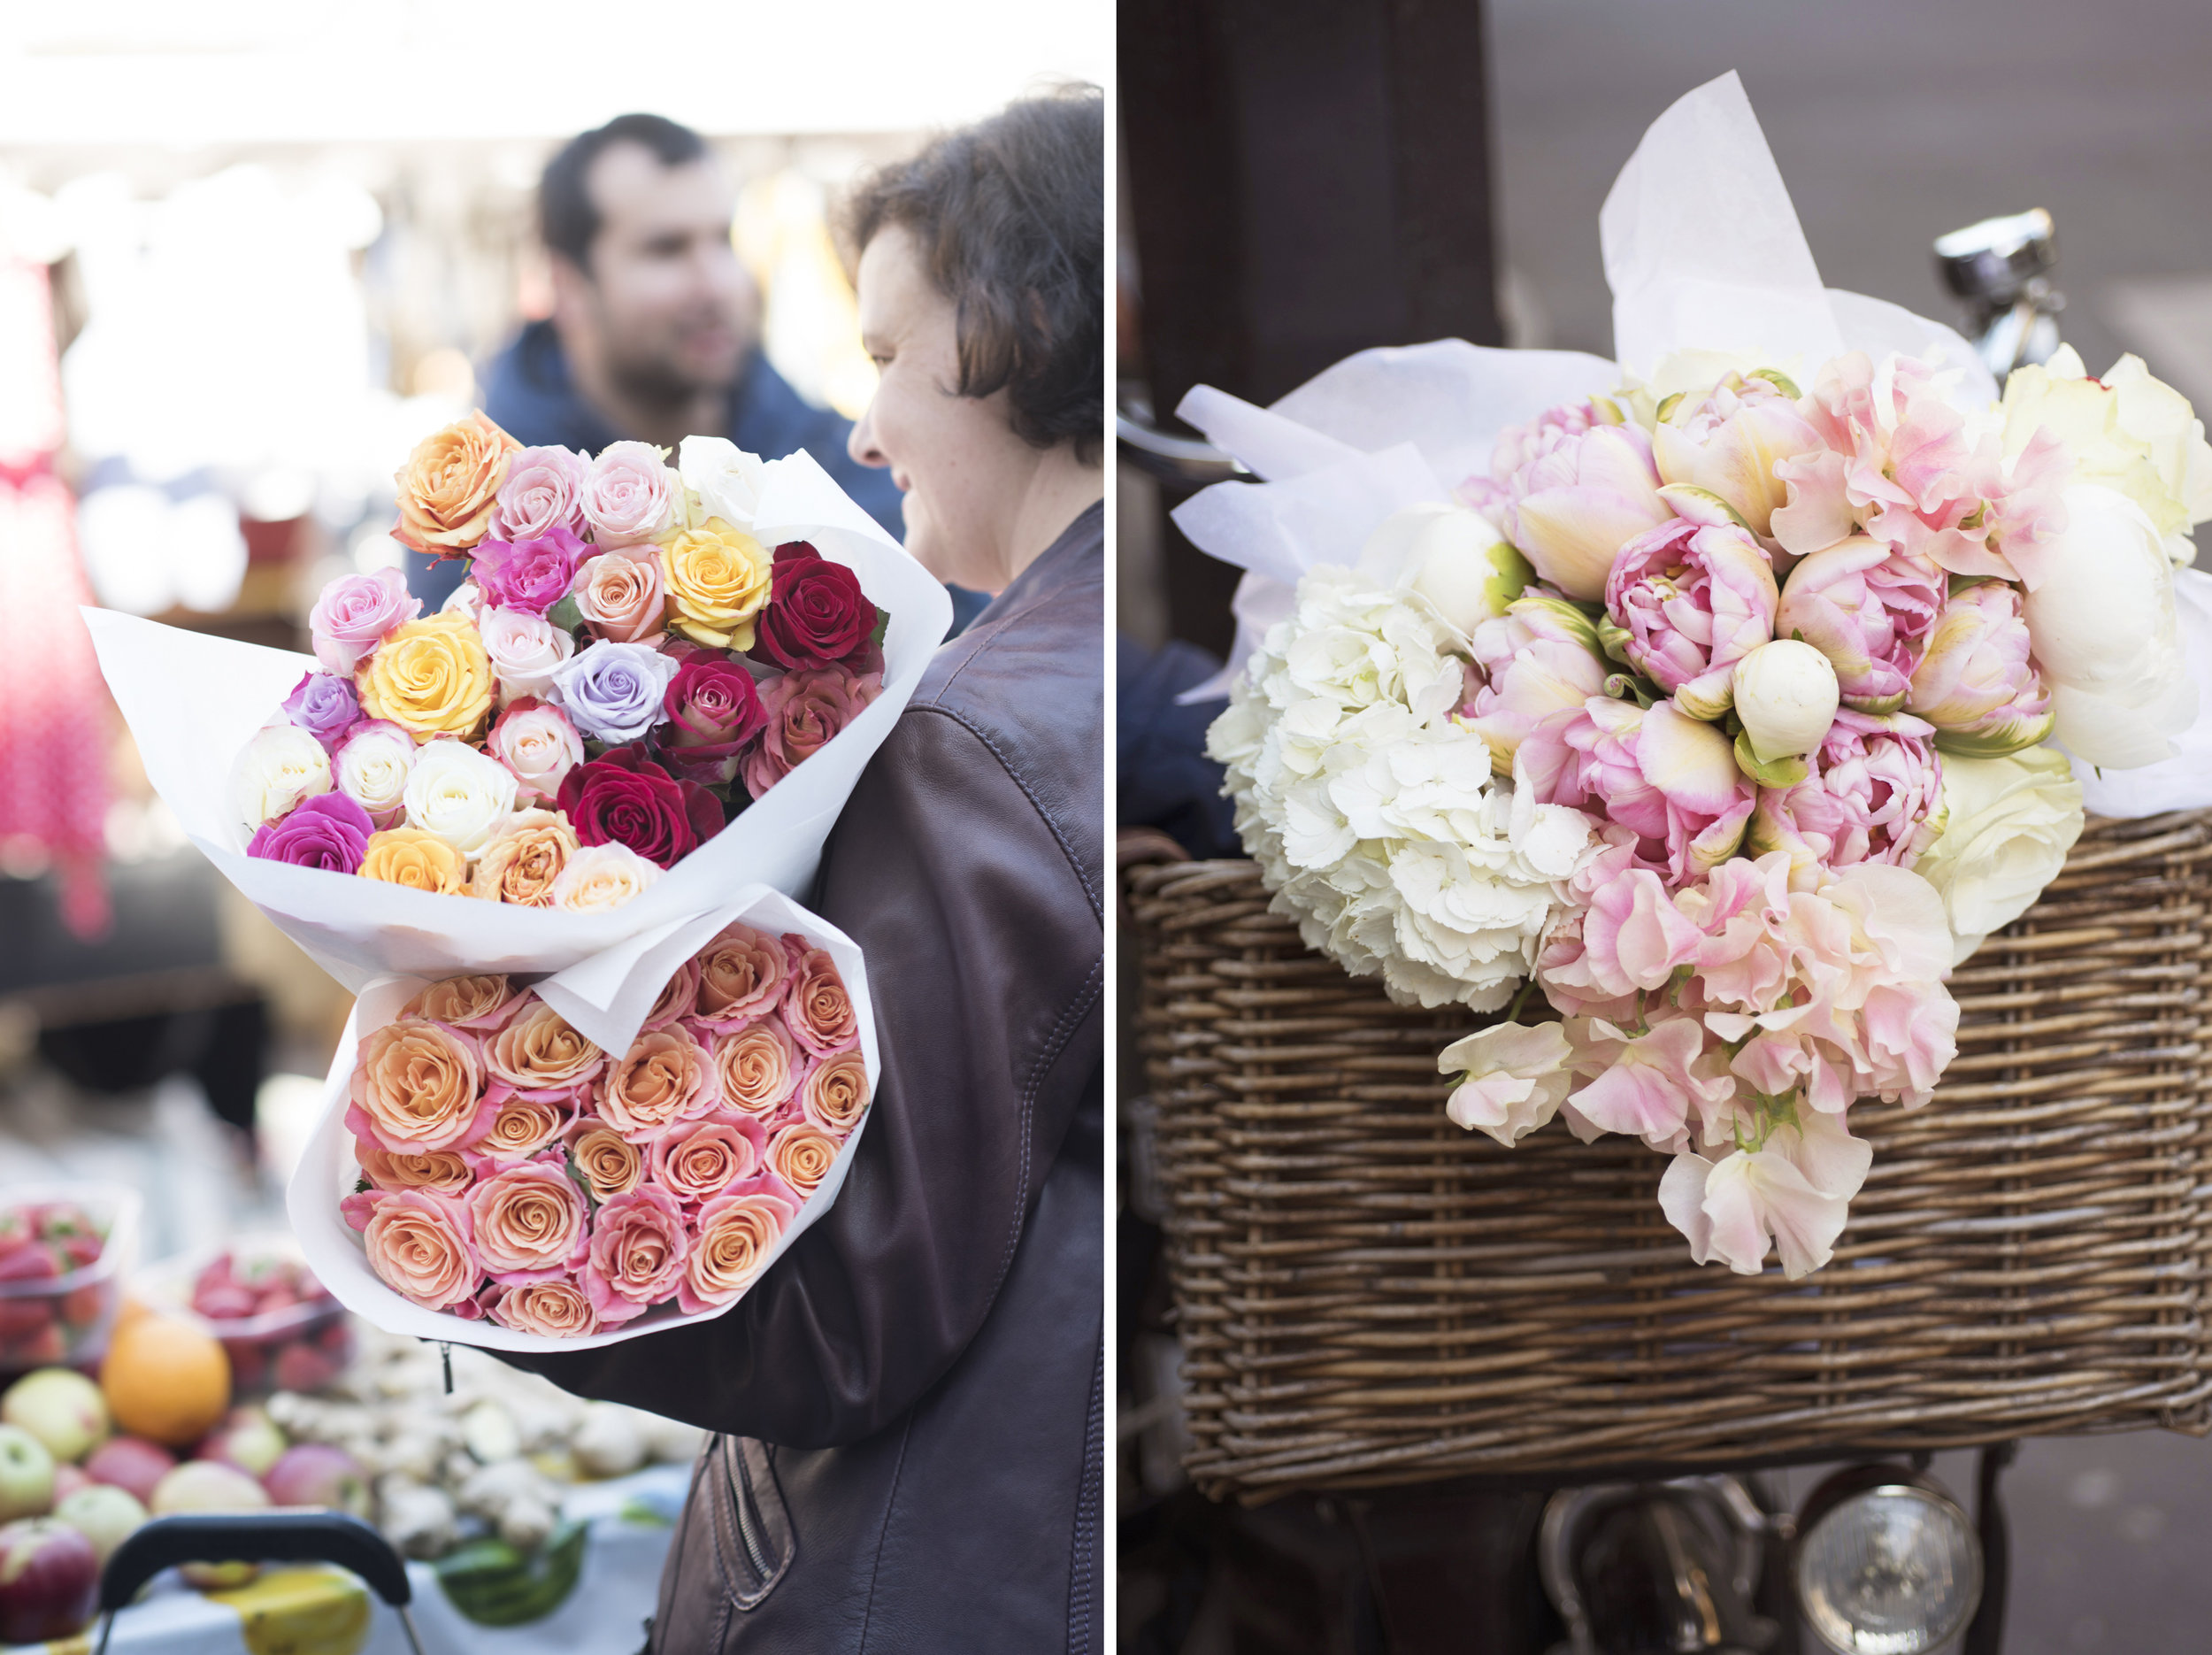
325, 707
354, 613
805, 709
623, 797
328, 831
527, 574
544, 490
817, 615
638, 1251
713, 708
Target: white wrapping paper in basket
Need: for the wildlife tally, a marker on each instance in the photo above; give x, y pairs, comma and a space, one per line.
194, 702
327, 1170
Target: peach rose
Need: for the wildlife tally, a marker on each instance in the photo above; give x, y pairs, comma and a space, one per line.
480, 1002
420, 1245
619, 594
441, 1172
609, 1164
540, 1056
420, 861
834, 1093
522, 1128
638, 1251
736, 1233
718, 580
662, 1079
553, 1309
701, 1158
415, 1088
600, 878
677, 997
449, 485
742, 973
531, 1223
432, 677
816, 1007
756, 1067
523, 857
801, 1154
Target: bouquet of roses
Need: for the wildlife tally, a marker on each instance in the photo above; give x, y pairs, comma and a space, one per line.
483, 1162
1721, 707
655, 683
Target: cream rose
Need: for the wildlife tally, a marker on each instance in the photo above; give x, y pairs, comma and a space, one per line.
523, 857
620, 593
415, 1088
539, 744
600, 878
2008, 824
721, 479
539, 1053
664, 1078
835, 1093
756, 1067
371, 767
735, 1235
523, 648
282, 765
801, 1155
456, 793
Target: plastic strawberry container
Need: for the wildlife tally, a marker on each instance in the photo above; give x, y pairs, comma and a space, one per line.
302, 1344
65, 1249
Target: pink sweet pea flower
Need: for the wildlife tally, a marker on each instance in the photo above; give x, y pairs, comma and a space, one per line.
1513, 1078
1796, 1189
1648, 1085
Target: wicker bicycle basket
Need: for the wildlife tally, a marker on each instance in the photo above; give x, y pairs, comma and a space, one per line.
1367, 1294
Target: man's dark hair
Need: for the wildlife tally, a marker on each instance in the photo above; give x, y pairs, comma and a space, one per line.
567, 218
1010, 216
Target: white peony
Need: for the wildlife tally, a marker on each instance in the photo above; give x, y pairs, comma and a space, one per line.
600, 878
1376, 821
458, 794
2008, 826
523, 648
723, 479
282, 765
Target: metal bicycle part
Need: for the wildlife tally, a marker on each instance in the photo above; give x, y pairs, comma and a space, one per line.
1672, 1566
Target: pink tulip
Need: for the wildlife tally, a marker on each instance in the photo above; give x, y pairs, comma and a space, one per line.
1869, 610
1873, 784
1976, 683
1667, 777
1568, 491
1729, 444
1542, 663
1689, 603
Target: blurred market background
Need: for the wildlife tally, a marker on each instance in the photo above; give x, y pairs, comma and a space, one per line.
1301, 181
251, 251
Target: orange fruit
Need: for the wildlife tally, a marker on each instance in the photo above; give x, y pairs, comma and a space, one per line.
166, 1380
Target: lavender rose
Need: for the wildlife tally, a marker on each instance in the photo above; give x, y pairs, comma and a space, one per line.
325, 707
328, 831
613, 691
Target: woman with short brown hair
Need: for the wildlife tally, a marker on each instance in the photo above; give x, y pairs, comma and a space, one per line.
910, 1406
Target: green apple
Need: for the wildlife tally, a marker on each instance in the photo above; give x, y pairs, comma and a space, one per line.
60, 1407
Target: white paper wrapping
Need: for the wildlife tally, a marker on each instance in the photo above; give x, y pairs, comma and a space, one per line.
327, 1170
193, 703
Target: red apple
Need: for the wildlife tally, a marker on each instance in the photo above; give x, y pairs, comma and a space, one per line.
50, 1580
316, 1474
132, 1464
302, 1367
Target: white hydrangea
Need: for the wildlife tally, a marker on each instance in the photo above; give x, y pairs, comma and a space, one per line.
1376, 820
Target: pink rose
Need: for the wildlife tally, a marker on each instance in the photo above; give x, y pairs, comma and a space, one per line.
801, 1155
701, 1158
531, 575
836, 1091
677, 995
538, 745
416, 1088
354, 613
540, 1056
544, 490
441, 1172
522, 1128
816, 1007
523, 648
619, 594
552, 1310
741, 973
629, 493
485, 1001
420, 1244
736, 1233
530, 1223
638, 1251
757, 1066
805, 709
664, 1079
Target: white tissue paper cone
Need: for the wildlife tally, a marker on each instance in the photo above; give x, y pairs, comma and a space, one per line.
193, 702
327, 1170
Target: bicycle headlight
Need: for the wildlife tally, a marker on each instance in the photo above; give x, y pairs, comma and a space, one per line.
1885, 1564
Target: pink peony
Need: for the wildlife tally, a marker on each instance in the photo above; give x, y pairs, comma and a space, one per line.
1670, 778
1568, 491
1540, 662
629, 493
1874, 782
544, 490
1690, 603
1727, 445
1869, 610
354, 614
1976, 683
639, 1248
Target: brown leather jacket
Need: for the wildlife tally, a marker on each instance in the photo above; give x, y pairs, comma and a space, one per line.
910, 1402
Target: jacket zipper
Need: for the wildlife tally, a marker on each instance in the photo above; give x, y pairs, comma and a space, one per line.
747, 1516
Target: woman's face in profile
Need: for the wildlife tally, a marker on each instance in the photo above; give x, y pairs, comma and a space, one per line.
955, 458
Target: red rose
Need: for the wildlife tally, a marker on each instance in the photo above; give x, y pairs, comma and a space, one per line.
623, 797
805, 709
713, 710
817, 615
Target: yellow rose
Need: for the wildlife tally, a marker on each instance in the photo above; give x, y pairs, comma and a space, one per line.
718, 579
421, 861
450, 484
431, 677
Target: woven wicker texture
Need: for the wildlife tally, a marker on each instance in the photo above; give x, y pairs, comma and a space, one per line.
1367, 1294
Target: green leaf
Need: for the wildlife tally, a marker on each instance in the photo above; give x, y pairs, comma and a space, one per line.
883, 624
565, 614
1779, 773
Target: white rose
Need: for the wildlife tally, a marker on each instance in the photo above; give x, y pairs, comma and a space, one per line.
523, 648
2107, 635
2007, 826
724, 479
600, 878
464, 599
371, 767
458, 794
282, 765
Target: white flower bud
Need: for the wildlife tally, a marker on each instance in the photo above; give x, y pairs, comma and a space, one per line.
1786, 696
